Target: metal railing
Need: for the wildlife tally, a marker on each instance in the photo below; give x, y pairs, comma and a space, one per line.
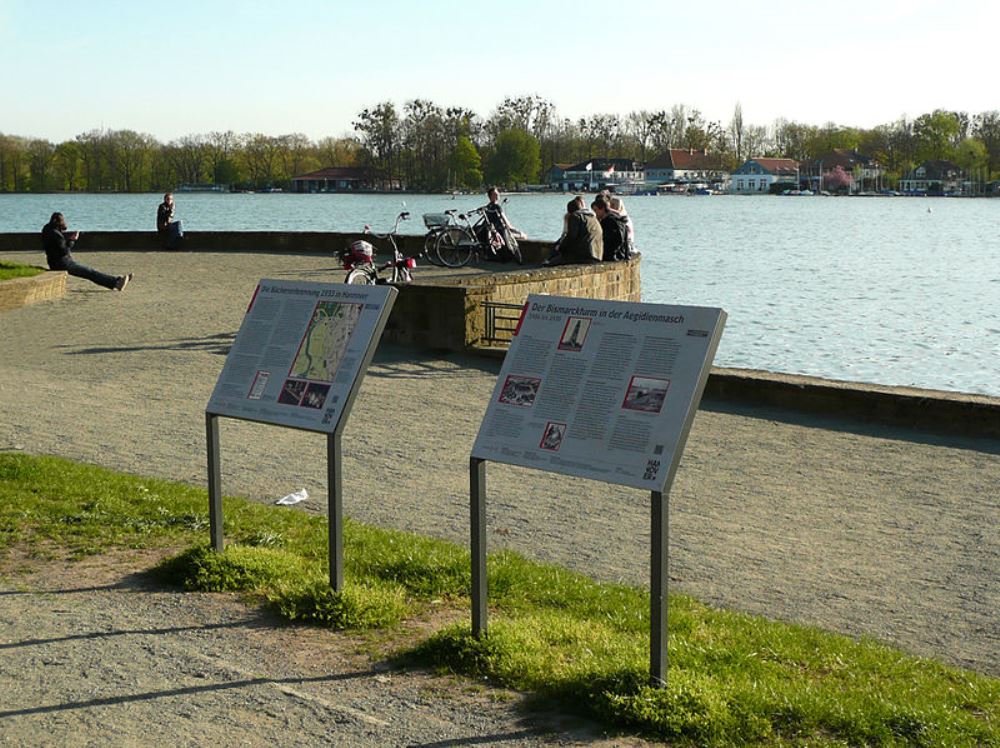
501, 321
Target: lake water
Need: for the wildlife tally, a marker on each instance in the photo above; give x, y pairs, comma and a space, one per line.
899, 291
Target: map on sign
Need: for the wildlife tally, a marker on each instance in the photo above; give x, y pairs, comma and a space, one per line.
300, 354
600, 389
325, 341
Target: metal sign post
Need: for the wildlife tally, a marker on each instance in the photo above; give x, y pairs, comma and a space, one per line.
603, 390
477, 493
335, 511
298, 361
658, 582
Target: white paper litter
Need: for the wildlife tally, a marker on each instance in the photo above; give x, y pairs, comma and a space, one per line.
293, 498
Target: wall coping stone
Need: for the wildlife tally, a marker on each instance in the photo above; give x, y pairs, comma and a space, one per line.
19, 292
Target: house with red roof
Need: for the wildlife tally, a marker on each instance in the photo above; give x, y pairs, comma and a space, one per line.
338, 179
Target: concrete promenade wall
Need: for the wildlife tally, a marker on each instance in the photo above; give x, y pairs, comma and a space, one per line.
931, 411
19, 292
306, 242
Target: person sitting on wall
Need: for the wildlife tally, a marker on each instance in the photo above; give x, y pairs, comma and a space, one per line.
506, 248
170, 231
582, 240
613, 229
616, 206
58, 242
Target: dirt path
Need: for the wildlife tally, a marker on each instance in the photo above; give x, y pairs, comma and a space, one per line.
873, 532
105, 659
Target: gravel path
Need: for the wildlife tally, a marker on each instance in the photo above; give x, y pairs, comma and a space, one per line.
104, 659
866, 531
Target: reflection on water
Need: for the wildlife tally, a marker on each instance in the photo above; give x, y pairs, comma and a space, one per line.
863, 289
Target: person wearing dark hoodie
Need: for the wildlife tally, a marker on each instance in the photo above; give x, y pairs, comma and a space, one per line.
58, 243
581, 242
614, 230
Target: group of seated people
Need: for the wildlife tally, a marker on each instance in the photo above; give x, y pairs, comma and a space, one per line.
602, 233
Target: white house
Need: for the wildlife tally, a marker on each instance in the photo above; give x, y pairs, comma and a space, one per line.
757, 175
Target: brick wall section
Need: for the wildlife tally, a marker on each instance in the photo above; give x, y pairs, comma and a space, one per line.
449, 315
18, 292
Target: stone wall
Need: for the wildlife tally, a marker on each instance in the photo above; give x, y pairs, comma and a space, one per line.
18, 292
449, 314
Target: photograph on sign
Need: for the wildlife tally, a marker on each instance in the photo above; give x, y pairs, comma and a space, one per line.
297, 356
600, 389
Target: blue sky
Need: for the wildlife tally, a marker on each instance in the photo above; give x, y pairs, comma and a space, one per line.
178, 68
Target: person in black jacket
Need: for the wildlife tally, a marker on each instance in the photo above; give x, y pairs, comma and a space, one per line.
581, 241
170, 231
507, 247
614, 228
58, 242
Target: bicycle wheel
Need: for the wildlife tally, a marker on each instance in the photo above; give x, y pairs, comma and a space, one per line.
455, 246
430, 241
360, 276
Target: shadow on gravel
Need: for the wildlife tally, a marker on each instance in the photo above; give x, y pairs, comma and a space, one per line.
68, 591
244, 623
218, 344
398, 362
850, 426
496, 739
187, 691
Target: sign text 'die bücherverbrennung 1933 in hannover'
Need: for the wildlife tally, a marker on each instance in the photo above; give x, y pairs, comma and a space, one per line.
297, 357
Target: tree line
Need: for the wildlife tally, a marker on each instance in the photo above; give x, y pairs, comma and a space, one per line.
425, 146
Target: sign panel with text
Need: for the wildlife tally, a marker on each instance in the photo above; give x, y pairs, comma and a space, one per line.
600, 389
298, 356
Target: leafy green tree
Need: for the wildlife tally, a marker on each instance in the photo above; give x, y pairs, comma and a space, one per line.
379, 131
341, 151
66, 165
222, 154
426, 144
465, 164
971, 155
188, 159
515, 160
40, 156
986, 128
937, 134
261, 155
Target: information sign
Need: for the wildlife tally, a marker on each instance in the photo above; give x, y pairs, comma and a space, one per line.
600, 389
299, 353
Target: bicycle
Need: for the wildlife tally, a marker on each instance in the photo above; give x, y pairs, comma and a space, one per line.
436, 224
457, 243
359, 259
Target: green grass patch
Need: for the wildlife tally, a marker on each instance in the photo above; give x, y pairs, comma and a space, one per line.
10, 270
733, 678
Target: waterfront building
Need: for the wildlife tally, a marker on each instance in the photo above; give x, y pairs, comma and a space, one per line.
339, 179
597, 174
756, 176
933, 177
685, 167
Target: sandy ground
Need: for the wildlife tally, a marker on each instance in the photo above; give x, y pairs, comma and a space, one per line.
867, 531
